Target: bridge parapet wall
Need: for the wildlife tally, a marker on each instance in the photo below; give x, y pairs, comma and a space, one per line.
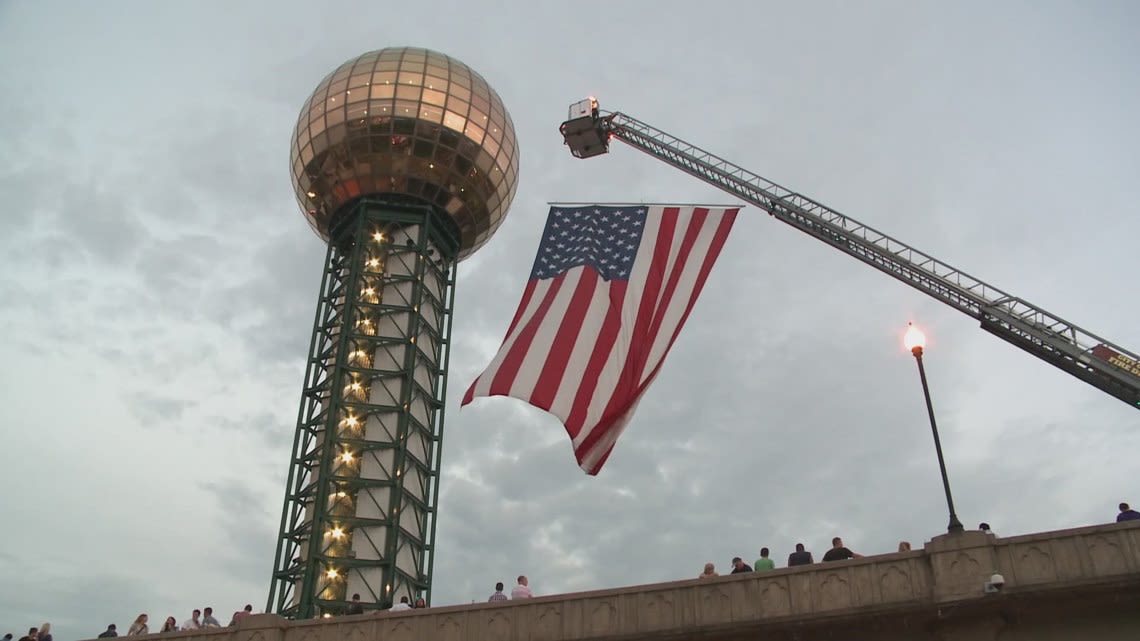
880, 595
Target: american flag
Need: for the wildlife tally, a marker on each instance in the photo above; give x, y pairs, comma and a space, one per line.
607, 296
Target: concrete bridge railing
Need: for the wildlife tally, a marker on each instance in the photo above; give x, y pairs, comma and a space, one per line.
938, 590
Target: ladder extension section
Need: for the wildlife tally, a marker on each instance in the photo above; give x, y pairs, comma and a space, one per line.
1079, 352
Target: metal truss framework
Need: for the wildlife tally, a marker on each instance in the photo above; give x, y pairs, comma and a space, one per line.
1079, 352
359, 511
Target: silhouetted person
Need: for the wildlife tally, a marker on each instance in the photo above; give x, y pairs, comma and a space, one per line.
1127, 514
498, 595
800, 556
739, 566
33, 635
241, 614
985, 527
111, 631
838, 552
355, 607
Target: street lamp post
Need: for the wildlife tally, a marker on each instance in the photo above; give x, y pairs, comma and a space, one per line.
915, 340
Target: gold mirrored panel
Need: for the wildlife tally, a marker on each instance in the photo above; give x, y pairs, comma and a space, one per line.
411, 122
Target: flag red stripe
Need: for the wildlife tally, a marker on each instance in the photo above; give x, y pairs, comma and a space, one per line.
710, 257
627, 381
696, 223
509, 369
527, 294
590, 353
607, 336
523, 304
618, 406
554, 368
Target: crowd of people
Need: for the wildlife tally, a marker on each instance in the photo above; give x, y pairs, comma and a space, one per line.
42, 633
199, 619
839, 552
205, 619
801, 556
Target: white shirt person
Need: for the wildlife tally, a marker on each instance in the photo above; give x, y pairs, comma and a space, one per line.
522, 590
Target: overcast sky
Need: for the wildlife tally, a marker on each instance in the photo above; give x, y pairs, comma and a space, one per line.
158, 283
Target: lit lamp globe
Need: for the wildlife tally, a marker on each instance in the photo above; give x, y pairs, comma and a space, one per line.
410, 125
914, 339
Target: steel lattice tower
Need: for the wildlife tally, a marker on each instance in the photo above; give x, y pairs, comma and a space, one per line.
404, 161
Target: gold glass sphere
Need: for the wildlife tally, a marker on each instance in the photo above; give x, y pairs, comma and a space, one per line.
411, 123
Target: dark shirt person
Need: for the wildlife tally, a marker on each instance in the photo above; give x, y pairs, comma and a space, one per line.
110, 632
838, 552
355, 607
1127, 514
739, 566
33, 635
800, 557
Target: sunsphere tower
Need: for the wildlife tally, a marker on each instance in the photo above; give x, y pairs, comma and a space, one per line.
404, 160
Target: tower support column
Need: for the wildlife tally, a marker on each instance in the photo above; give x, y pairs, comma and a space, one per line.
359, 511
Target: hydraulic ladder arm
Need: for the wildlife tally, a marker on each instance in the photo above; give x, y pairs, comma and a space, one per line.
1079, 352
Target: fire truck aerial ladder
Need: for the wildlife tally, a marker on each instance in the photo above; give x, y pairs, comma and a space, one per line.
1092, 359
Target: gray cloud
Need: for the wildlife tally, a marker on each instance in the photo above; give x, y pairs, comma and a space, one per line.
158, 287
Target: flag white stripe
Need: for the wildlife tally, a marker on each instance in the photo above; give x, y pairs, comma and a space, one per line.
591, 457
608, 377
679, 231
584, 347
532, 364
483, 385
527, 364
682, 295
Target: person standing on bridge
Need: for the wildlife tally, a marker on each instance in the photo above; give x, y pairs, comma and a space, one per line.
522, 590
241, 614
193, 623
498, 595
838, 552
739, 566
800, 557
139, 626
1127, 514
764, 563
